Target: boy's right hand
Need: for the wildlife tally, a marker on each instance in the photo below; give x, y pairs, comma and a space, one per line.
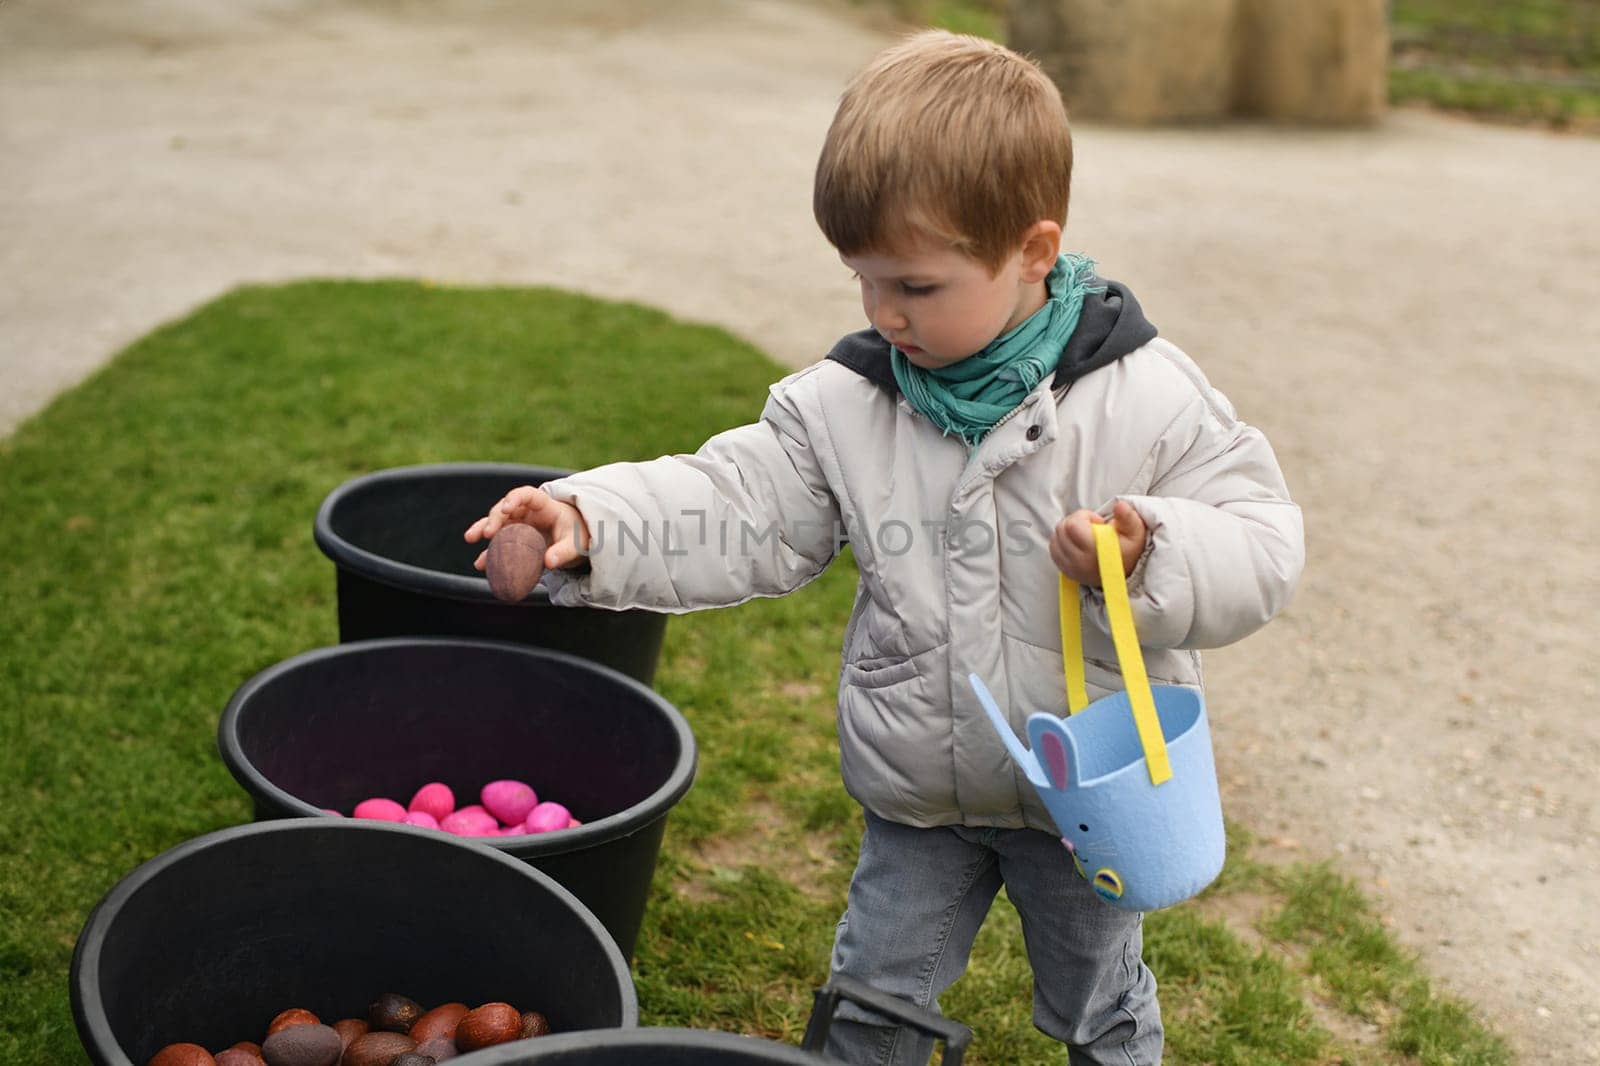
563, 527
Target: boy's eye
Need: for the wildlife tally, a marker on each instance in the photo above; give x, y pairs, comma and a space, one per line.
917, 290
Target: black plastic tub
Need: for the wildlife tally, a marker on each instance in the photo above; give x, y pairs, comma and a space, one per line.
332, 727
643, 1047
403, 570
696, 1047
205, 943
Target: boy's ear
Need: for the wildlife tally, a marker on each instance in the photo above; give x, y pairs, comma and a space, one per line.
1041, 245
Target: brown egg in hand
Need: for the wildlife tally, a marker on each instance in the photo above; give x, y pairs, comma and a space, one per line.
515, 562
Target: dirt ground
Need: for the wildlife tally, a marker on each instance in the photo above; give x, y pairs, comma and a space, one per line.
1412, 313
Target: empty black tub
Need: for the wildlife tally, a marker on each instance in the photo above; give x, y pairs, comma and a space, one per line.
332, 727
403, 569
205, 943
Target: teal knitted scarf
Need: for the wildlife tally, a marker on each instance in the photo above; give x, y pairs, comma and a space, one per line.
967, 398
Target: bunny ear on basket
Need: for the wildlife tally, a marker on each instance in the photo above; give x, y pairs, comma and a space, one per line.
1055, 758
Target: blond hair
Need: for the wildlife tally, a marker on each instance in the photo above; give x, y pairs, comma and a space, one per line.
953, 136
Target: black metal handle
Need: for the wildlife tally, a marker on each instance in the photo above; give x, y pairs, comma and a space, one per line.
956, 1036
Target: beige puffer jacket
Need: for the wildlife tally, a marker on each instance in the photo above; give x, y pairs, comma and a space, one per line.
951, 546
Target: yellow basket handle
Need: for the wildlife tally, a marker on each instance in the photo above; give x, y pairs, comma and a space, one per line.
1120, 612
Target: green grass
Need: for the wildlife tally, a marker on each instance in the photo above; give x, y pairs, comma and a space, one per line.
157, 523
981, 18
1526, 60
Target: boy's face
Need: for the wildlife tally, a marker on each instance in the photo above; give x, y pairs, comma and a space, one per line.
937, 305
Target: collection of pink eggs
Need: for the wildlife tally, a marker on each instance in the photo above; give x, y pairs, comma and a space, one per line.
505, 808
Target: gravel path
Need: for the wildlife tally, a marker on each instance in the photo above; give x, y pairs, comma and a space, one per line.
1410, 313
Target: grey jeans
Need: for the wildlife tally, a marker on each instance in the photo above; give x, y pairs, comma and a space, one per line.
916, 902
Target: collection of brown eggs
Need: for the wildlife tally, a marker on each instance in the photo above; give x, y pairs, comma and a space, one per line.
395, 1032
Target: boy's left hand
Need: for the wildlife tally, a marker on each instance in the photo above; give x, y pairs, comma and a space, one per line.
1072, 543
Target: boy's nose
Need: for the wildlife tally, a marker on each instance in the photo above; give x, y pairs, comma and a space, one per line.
887, 319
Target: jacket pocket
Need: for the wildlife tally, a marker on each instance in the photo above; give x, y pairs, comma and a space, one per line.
879, 672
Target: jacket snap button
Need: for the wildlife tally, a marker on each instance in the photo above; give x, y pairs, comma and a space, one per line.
1033, 432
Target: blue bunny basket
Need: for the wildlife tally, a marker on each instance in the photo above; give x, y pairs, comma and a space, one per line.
1128, 779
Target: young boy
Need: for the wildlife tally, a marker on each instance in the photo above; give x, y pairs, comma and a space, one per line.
1003, 401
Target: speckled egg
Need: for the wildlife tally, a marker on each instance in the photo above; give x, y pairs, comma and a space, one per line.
440, 1021
490, 1024
393, 1012
377, 1049
438, 1049
292, 1016
235, 1056
183, 1055
350, 1028
302, 1045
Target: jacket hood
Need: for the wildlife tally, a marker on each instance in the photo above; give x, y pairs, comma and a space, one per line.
1111, 325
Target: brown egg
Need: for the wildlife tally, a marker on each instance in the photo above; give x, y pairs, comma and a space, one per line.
350, 1028
534, 1024
183, 1055
292, 1016
490, 1024
411, 1058
303, 1045
393, 1013
439, 1049
377, 1049
238, 1056
515, 562
440, 1021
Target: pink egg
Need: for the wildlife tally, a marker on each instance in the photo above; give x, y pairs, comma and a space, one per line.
573, 823
468, 822
330, 810
434, 798
509, 801
423, 819
546, 818
380, 810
